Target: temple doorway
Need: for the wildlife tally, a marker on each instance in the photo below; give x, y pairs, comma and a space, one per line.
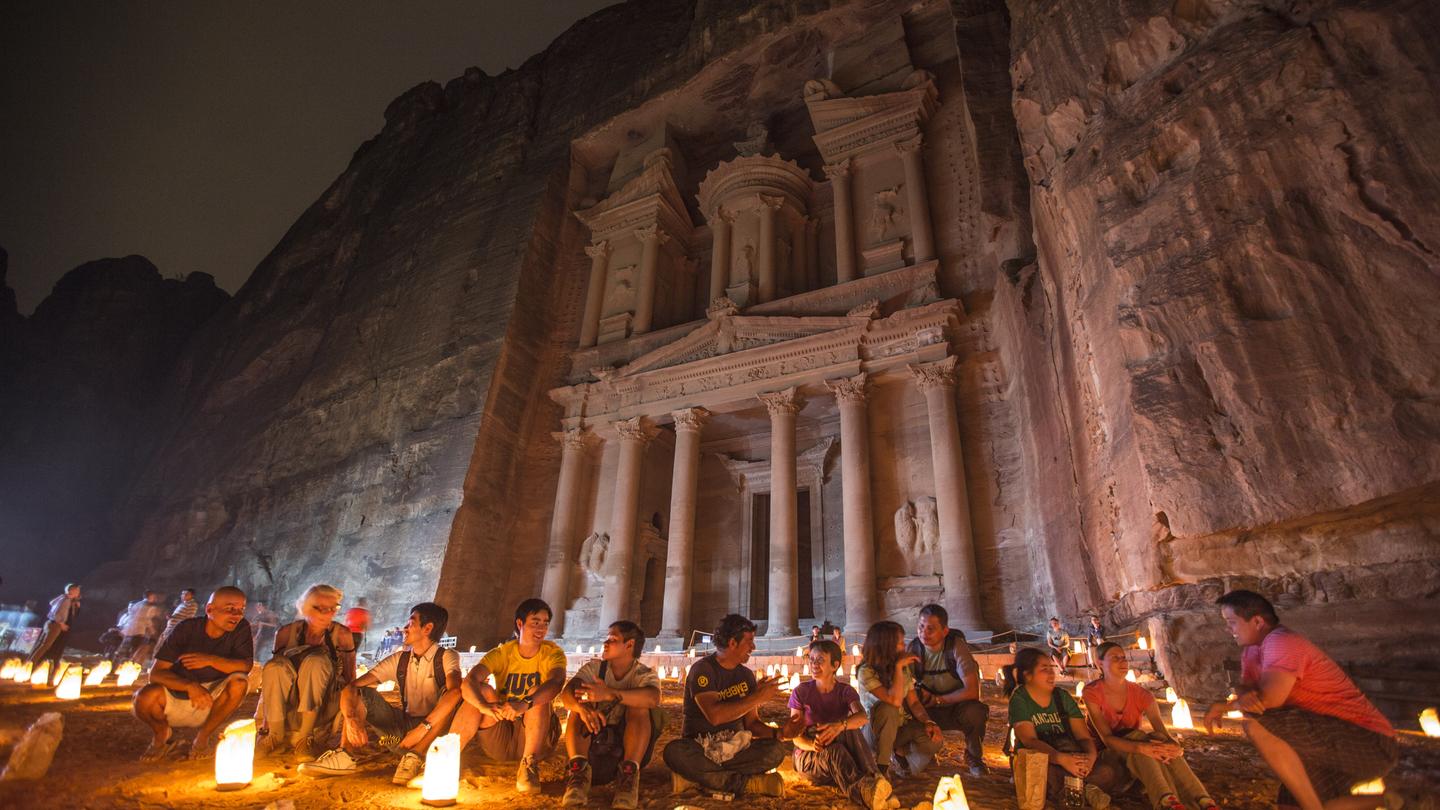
759, 591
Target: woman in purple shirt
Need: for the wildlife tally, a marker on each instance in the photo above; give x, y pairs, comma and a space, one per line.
825, 722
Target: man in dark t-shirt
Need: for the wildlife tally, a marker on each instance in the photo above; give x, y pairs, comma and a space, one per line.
722, 698
199, 676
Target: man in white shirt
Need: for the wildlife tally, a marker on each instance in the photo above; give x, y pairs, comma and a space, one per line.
427, 682
613, 704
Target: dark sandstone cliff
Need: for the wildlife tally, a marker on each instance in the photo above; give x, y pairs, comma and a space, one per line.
78, 380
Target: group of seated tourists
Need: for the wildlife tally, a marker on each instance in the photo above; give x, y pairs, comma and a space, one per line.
1310, 723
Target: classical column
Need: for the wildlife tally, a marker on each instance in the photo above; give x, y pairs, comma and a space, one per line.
651, 238
594, 294
812, 249
767, 208
922, 237
560, 557
957, 546
620, 556
784, 550
680, 552
839, 174
720, 253
860, 598
799, 257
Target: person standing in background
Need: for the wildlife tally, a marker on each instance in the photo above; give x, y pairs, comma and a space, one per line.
63, 610
187, 609
357, 619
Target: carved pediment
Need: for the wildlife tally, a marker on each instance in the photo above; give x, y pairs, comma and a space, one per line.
734, 333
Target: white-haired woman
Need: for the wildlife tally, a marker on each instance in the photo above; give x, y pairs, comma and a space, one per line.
314, 658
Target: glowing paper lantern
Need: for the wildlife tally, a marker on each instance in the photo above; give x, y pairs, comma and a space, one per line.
69, 688
441, 785
41, 676
59, 673
385, 686
22, 673
793, 682
1180, 715
950, 794
656, 650
769, 670
799, 652
675, 672
579, 651
1170, 696
1079, 689
854, 650
1235, 714
1430, 722
98, 674
472, 648
235, 755
840, 671
1375, 787
592, 649
805, 670
127, 673
1130, 676
1144, 644
1077, 647
690, 653
7, 672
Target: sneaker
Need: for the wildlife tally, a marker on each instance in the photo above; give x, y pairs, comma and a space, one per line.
410, 766
627, 787
1096, 798
527, 776
335, 762
679, 784
765, 784
270, 745
577, 783
875, 792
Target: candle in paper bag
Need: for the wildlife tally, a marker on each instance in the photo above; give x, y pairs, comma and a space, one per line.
235, 755
441, 784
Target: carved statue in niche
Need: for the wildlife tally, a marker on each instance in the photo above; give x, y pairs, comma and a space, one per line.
884, 213
905, 528
592, 555
917, 534
757, 141
747, 262
618, 293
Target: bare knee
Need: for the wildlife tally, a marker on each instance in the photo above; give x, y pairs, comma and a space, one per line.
149, 702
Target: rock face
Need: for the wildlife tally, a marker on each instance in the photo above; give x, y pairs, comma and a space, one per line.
1233, 306
78, 380
1194, 242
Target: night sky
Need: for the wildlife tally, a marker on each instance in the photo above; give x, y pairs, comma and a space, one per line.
196, 133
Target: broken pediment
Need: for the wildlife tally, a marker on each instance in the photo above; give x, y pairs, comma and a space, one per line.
734, 333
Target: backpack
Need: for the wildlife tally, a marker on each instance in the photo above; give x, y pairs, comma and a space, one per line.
400, 673
952, 660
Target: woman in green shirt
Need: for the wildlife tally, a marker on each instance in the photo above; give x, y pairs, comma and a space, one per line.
1048, 720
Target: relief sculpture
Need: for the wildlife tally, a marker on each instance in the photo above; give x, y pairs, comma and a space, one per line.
884, 213
917, 534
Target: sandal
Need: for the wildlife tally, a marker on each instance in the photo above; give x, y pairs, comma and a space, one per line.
161, 751
202, 749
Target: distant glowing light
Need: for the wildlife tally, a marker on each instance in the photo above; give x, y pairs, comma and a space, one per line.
1144, 643
98, 675
1180, 715
69, 688
1430, 722
41, 675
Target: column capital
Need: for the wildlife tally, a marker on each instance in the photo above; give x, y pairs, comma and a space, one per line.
652, 232
764, 202
837, 170
909, 146
722, 216
574, 438
788, 400
690, 420
850, 390
636, 429
599, 250
939, 374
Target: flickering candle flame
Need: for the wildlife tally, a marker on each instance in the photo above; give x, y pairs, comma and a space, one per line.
69, 688
98, 675
7, 673
1144, 643
41, 675
1430, 722
950, 794
441, 784
1180, 715
1130, 676
127, 673
22, 672
1375, 787
1170, 696
235, 755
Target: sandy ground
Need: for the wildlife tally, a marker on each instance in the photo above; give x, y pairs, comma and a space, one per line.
96, 767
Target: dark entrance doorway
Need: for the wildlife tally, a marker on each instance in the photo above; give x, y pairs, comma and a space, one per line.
759, 602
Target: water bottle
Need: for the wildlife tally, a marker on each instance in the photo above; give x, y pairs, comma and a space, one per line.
1074, 796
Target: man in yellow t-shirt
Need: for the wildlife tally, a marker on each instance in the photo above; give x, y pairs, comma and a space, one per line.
514, 719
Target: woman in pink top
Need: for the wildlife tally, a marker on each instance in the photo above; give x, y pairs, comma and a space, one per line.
1116, 708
